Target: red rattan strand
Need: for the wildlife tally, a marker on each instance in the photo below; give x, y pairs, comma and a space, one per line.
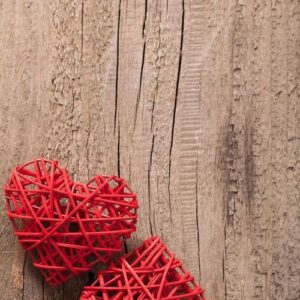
148, 272
68, 227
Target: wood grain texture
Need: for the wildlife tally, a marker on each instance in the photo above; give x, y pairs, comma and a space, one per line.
195, 103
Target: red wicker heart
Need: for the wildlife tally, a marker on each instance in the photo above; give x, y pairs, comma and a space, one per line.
149, 272
68, 227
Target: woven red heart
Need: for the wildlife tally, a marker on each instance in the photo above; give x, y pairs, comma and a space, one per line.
68, 227
148, 272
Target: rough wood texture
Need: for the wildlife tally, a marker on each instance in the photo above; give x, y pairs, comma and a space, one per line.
195, 103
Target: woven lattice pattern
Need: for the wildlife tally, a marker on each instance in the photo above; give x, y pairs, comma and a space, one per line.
68, 227
148, 272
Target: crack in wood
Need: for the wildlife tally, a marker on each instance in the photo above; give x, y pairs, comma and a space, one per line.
142, 67
117, 65
175, 104
149, 184
24, 269
197, 218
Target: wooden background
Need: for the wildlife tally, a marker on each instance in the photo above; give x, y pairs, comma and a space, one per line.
195, 103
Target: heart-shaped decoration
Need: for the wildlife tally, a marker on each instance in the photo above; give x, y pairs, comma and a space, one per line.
148, 272
68, 227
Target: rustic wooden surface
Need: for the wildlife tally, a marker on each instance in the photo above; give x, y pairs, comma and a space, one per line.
195, 103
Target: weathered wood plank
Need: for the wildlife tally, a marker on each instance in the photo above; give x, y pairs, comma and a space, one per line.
23, 119
258, 206
196, 183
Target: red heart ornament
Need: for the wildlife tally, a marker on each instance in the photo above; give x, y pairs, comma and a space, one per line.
68, 227
148, 272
